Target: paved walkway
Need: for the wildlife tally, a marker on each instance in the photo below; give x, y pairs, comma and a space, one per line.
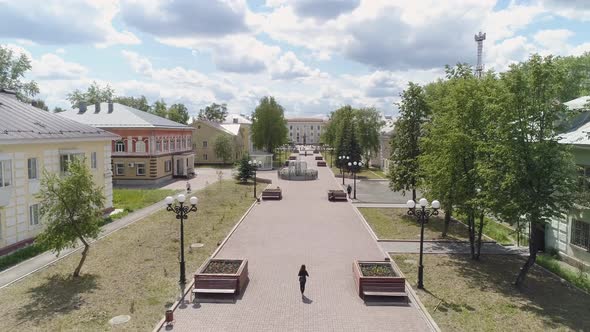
449, 247
205, 177
276, 238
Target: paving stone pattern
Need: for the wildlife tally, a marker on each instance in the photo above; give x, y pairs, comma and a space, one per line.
276, 238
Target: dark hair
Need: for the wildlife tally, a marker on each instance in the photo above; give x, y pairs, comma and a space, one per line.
302, 268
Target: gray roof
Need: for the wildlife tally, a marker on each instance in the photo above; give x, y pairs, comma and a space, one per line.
579, 133
121, 117
20, 121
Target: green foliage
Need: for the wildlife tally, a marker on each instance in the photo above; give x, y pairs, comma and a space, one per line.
40, 104
58, 109
245, 170
12, 73
159, 108
71, 209
269, 128
134, 199
368, 125
139, 103
214, 113
178, 113
579, 278
94, 94
404, 167
20, 255
223, 147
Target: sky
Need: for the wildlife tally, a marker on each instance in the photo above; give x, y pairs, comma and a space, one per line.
313, 56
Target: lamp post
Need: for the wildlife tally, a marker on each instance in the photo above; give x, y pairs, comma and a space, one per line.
181, 212
255, 164
342, 162
331, 155
422, 215
354, 167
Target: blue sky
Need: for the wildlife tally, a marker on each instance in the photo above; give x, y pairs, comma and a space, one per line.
312, 56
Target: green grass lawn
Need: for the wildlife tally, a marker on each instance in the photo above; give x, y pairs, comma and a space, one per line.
576, 276
392, 223
133, 271
466, 295
134, 199
502, 233
372, 173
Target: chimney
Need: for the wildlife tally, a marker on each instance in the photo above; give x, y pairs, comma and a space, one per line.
82, 107
235, 120
111, 107
97, 107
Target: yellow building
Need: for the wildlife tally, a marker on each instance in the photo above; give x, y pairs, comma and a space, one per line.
237, 128
31, 141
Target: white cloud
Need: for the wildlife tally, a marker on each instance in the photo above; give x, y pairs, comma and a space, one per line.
553, 40
52, 67
139, 64
288, 66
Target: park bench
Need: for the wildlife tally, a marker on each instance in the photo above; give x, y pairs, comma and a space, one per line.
319, 158
337, 195
396, 288
322, 163
272, 194
215, 286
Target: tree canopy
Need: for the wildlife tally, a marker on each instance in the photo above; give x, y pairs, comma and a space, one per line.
139, 103
224, 147
178, 113
12, 73
269, 127
93, 94
214, 113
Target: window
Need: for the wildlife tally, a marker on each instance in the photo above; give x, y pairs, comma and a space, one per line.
168, 166
119, 169
205, 157
581, 234
178, 146
119, 146
5, 173
204, 144
290, 134
34, 214
65, 159
290, 127
165, 145
140, 169
93, 162
140, 146
158, 146
172, 147
32, 167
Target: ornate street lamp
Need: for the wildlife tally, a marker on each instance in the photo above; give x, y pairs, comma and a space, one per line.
255, 164
342, 162
181, 212
354, 167
422, 215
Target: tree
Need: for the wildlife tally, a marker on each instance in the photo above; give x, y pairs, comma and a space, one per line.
224, 148
159, 108
12, 73
40, 104
94, 94
71, 207
214, 113
530, 175
139, 103
368, 126
405, 149
178, 113
245, 170
269, 128
58, 109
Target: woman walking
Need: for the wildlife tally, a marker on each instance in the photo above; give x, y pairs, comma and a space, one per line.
302, 278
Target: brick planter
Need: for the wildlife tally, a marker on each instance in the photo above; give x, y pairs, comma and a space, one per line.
319, 158
390, 283
237, 273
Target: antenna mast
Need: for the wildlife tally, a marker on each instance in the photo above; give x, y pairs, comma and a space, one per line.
479, 38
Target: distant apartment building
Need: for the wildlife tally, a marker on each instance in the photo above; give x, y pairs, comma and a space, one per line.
31, 141
305, 130
151, 149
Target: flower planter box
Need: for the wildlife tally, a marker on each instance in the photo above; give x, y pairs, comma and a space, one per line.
292, 157
319, 158
378, 278
321, 163
222, 276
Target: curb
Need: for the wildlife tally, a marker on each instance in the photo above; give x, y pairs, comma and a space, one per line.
434, 241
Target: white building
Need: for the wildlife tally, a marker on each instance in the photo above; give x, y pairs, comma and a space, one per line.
305, 130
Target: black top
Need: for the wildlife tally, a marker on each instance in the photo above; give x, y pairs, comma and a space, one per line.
303, 274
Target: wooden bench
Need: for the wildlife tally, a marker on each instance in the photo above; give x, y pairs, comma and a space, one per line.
215, 286
337, 195
322, 163
292, 157
397, 288
319, 158
272, 194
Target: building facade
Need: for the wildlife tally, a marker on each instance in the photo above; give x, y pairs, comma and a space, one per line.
33, 141
306, 131
151, 149
206, 134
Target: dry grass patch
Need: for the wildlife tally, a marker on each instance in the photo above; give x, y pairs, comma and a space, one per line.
466, 295
131, 272
392, 223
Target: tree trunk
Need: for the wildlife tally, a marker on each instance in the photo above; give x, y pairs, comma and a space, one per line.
479, 235
534, 240
471, 228
84, 254
414, 195
448, 213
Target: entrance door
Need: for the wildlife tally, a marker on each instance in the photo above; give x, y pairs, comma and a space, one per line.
179, 167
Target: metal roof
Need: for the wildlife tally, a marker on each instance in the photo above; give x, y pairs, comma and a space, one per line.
121, 117
20, 121
240, 118
578, 134
306, 120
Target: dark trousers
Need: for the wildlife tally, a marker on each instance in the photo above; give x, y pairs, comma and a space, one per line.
302, 286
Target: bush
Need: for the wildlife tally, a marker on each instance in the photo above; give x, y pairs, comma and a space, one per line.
20, 255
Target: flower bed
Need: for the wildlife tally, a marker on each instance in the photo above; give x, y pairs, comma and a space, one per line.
223, 266
377, 270
378, 278
235, 270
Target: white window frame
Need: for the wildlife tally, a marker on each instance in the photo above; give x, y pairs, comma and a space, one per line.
586, 236
159, 146
5, 173
63, 162
120, 146
205, 144
139, 166
117, 169
168, 166
165, 141
204, 156
172, 144
93, 160
34, 214
32, 168
140, 146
